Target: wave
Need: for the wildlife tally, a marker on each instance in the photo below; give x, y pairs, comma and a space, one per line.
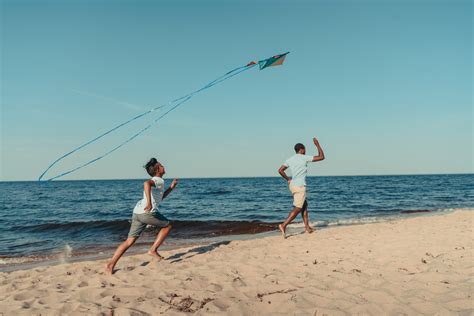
211, 192
414, 211
72, 226
383, 217
197, 228
181, 229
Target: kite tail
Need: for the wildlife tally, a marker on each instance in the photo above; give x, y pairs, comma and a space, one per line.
174, 104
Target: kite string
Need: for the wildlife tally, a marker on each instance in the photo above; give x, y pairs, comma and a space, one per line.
179, 101
113, 149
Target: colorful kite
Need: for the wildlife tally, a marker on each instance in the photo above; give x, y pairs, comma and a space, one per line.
272, 61
167, 108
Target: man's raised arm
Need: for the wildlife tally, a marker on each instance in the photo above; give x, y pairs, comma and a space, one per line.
320, 155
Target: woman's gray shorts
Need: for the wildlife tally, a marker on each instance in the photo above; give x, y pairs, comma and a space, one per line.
139, 222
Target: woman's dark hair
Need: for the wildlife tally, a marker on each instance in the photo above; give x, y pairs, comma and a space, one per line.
150, 166
298, 147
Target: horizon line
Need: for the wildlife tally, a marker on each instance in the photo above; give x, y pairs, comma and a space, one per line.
255, 177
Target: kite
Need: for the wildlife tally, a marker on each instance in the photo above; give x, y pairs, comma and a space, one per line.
272, 61
167, 108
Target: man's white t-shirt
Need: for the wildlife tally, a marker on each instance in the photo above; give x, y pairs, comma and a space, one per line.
156, 197
298, 167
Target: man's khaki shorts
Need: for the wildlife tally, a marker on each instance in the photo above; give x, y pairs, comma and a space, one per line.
299, 195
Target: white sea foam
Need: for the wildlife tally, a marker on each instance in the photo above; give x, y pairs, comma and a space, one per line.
375, 219
20, 260
67, 253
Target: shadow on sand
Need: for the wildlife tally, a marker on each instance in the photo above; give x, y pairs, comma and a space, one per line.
196, 251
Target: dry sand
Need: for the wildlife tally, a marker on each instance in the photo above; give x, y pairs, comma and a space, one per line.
414, 266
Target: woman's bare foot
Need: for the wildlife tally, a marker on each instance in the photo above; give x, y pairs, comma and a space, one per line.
309, 230
155, 255
109, 269
283, 232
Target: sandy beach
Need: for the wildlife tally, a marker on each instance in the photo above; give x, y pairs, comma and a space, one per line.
413, 266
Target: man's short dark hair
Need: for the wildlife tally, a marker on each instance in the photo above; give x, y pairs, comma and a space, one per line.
298, 147
150, 166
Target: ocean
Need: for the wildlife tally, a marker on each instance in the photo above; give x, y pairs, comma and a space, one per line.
68, 220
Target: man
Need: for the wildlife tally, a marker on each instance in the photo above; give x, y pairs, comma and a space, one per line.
298, 165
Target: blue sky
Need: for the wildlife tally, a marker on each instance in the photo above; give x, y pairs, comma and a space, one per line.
385, 85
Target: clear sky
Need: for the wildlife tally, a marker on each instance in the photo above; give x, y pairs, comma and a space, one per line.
386, 86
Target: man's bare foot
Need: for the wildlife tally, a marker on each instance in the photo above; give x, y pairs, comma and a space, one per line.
309, 230
155, 255
109, 269
283, 232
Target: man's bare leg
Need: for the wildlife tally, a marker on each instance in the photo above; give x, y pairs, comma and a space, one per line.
159, 240
288, 220
109, 268
304, 214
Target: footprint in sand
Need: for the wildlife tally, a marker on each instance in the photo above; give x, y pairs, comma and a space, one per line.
215, 287
238, 282
107, 293
82, 284
92, 294
21, 296
220, 305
